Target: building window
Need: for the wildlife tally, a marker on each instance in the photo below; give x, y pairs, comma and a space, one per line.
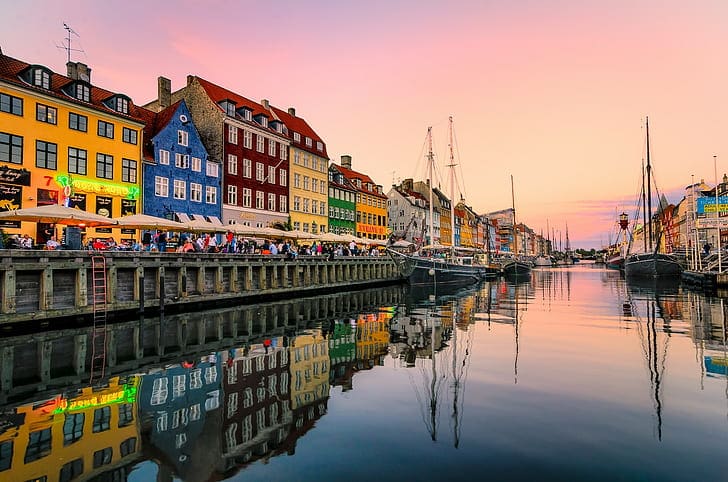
322, 210
232, 195
309, 142
128, 446
296, 180
247, 197
126, 414
121, 105
233, 164
41, 78
195, 192
271, 201
260, 145
210, 194
271, 147
181, 161
71, 470
44, 113
104, 166
11, 148
212, 169
247, 168
314, 206
319, 146
314, 184
229, 108
282, 177
102, 457
282, 203
73, 428
247, 139
77, 159
161, 186
82, 92
232, 134
272, 174
11, 104
196, 164
164, 157
296, 157
305, 205
296, 137
284, 152
129, 135
247, 114
46, 154
6, 455
182, 138
259, 200
305, 183
77, 122
180, 189
128, 170
259, 171
322, 187
102, 419
106, 129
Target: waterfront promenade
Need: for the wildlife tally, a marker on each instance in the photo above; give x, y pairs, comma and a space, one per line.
47, 285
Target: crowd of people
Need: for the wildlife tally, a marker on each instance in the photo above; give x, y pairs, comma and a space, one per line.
157, 241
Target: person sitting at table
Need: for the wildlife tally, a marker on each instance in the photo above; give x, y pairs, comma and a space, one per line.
26, 242
52, 244
98, 245
110, 243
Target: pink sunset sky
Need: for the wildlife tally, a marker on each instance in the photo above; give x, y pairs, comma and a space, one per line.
552, 92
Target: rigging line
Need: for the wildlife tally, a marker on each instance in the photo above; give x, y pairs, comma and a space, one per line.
463, 193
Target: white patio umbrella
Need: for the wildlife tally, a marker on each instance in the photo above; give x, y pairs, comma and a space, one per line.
145, 221
298, 234
57, 214
199, 226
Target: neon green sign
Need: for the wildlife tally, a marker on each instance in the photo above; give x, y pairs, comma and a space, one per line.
98, 187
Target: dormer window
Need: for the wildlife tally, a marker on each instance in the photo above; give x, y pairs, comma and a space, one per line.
246, 114
82, 92
296, 137
319, 146
229, 107
41, 78
262, 120
358, 183
121, 105
309, 142
277, 126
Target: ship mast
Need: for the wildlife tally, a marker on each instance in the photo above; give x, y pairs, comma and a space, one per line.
452, 191
515, 231
649, 185
430, 162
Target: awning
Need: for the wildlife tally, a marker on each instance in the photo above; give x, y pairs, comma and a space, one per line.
183, 217
215, 220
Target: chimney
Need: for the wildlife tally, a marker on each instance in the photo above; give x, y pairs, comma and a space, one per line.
407, 184
266, 104
78, 71
164, 92
346, 161
292, 111
190, 78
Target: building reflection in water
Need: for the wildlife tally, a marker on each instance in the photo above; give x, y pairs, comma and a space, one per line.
208, 415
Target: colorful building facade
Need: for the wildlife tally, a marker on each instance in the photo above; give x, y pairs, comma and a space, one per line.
342, 204
371, 202
64, 140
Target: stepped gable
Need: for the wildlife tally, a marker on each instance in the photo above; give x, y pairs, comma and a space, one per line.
11, 70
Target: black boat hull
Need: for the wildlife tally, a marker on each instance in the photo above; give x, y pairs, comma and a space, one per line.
428, 271
651, 265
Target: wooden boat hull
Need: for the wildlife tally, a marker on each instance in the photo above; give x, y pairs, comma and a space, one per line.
651, 265
616, 262
516, 268
421, 271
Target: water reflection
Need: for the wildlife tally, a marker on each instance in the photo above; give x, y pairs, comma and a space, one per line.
523, 372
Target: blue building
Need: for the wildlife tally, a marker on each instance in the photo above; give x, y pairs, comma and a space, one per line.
179, 181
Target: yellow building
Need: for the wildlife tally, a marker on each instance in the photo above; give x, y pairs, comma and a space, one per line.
64, 438
63, 140
308, 174
309, 364
372, 336
371, 202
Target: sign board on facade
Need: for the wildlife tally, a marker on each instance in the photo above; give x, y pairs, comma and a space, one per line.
704, 223
707, 204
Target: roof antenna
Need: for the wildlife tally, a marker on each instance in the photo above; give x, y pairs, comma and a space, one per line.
66, 44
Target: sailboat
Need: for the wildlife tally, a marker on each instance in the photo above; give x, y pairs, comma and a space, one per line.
514, 266
616, 253
429, 270
650, 262
542, 260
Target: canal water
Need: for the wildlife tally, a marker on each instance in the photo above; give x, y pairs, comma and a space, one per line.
572, 375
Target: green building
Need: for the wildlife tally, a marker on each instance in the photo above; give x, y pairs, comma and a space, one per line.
342, 204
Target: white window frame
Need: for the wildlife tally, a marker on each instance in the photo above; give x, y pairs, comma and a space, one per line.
181, 161
296, 203
180, 189
282, 177
161, 186
283, 203
247, 168
309, 142
271, 201
247, 139
283, 150
195, 192
183, 138
272, 174
232, 195
210, 195
296, 180
296, 137
233, 164
260, 171
232, 134
164, 157
247, 197
271, 147
212, 169
196, 164
260, 143
259, 200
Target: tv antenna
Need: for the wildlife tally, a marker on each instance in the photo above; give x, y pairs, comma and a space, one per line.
66, 44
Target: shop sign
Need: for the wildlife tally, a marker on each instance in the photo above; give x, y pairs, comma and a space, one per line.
11, 197
19, 177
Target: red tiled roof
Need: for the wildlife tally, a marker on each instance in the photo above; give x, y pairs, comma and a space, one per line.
353, 175
292, 123
10, 70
